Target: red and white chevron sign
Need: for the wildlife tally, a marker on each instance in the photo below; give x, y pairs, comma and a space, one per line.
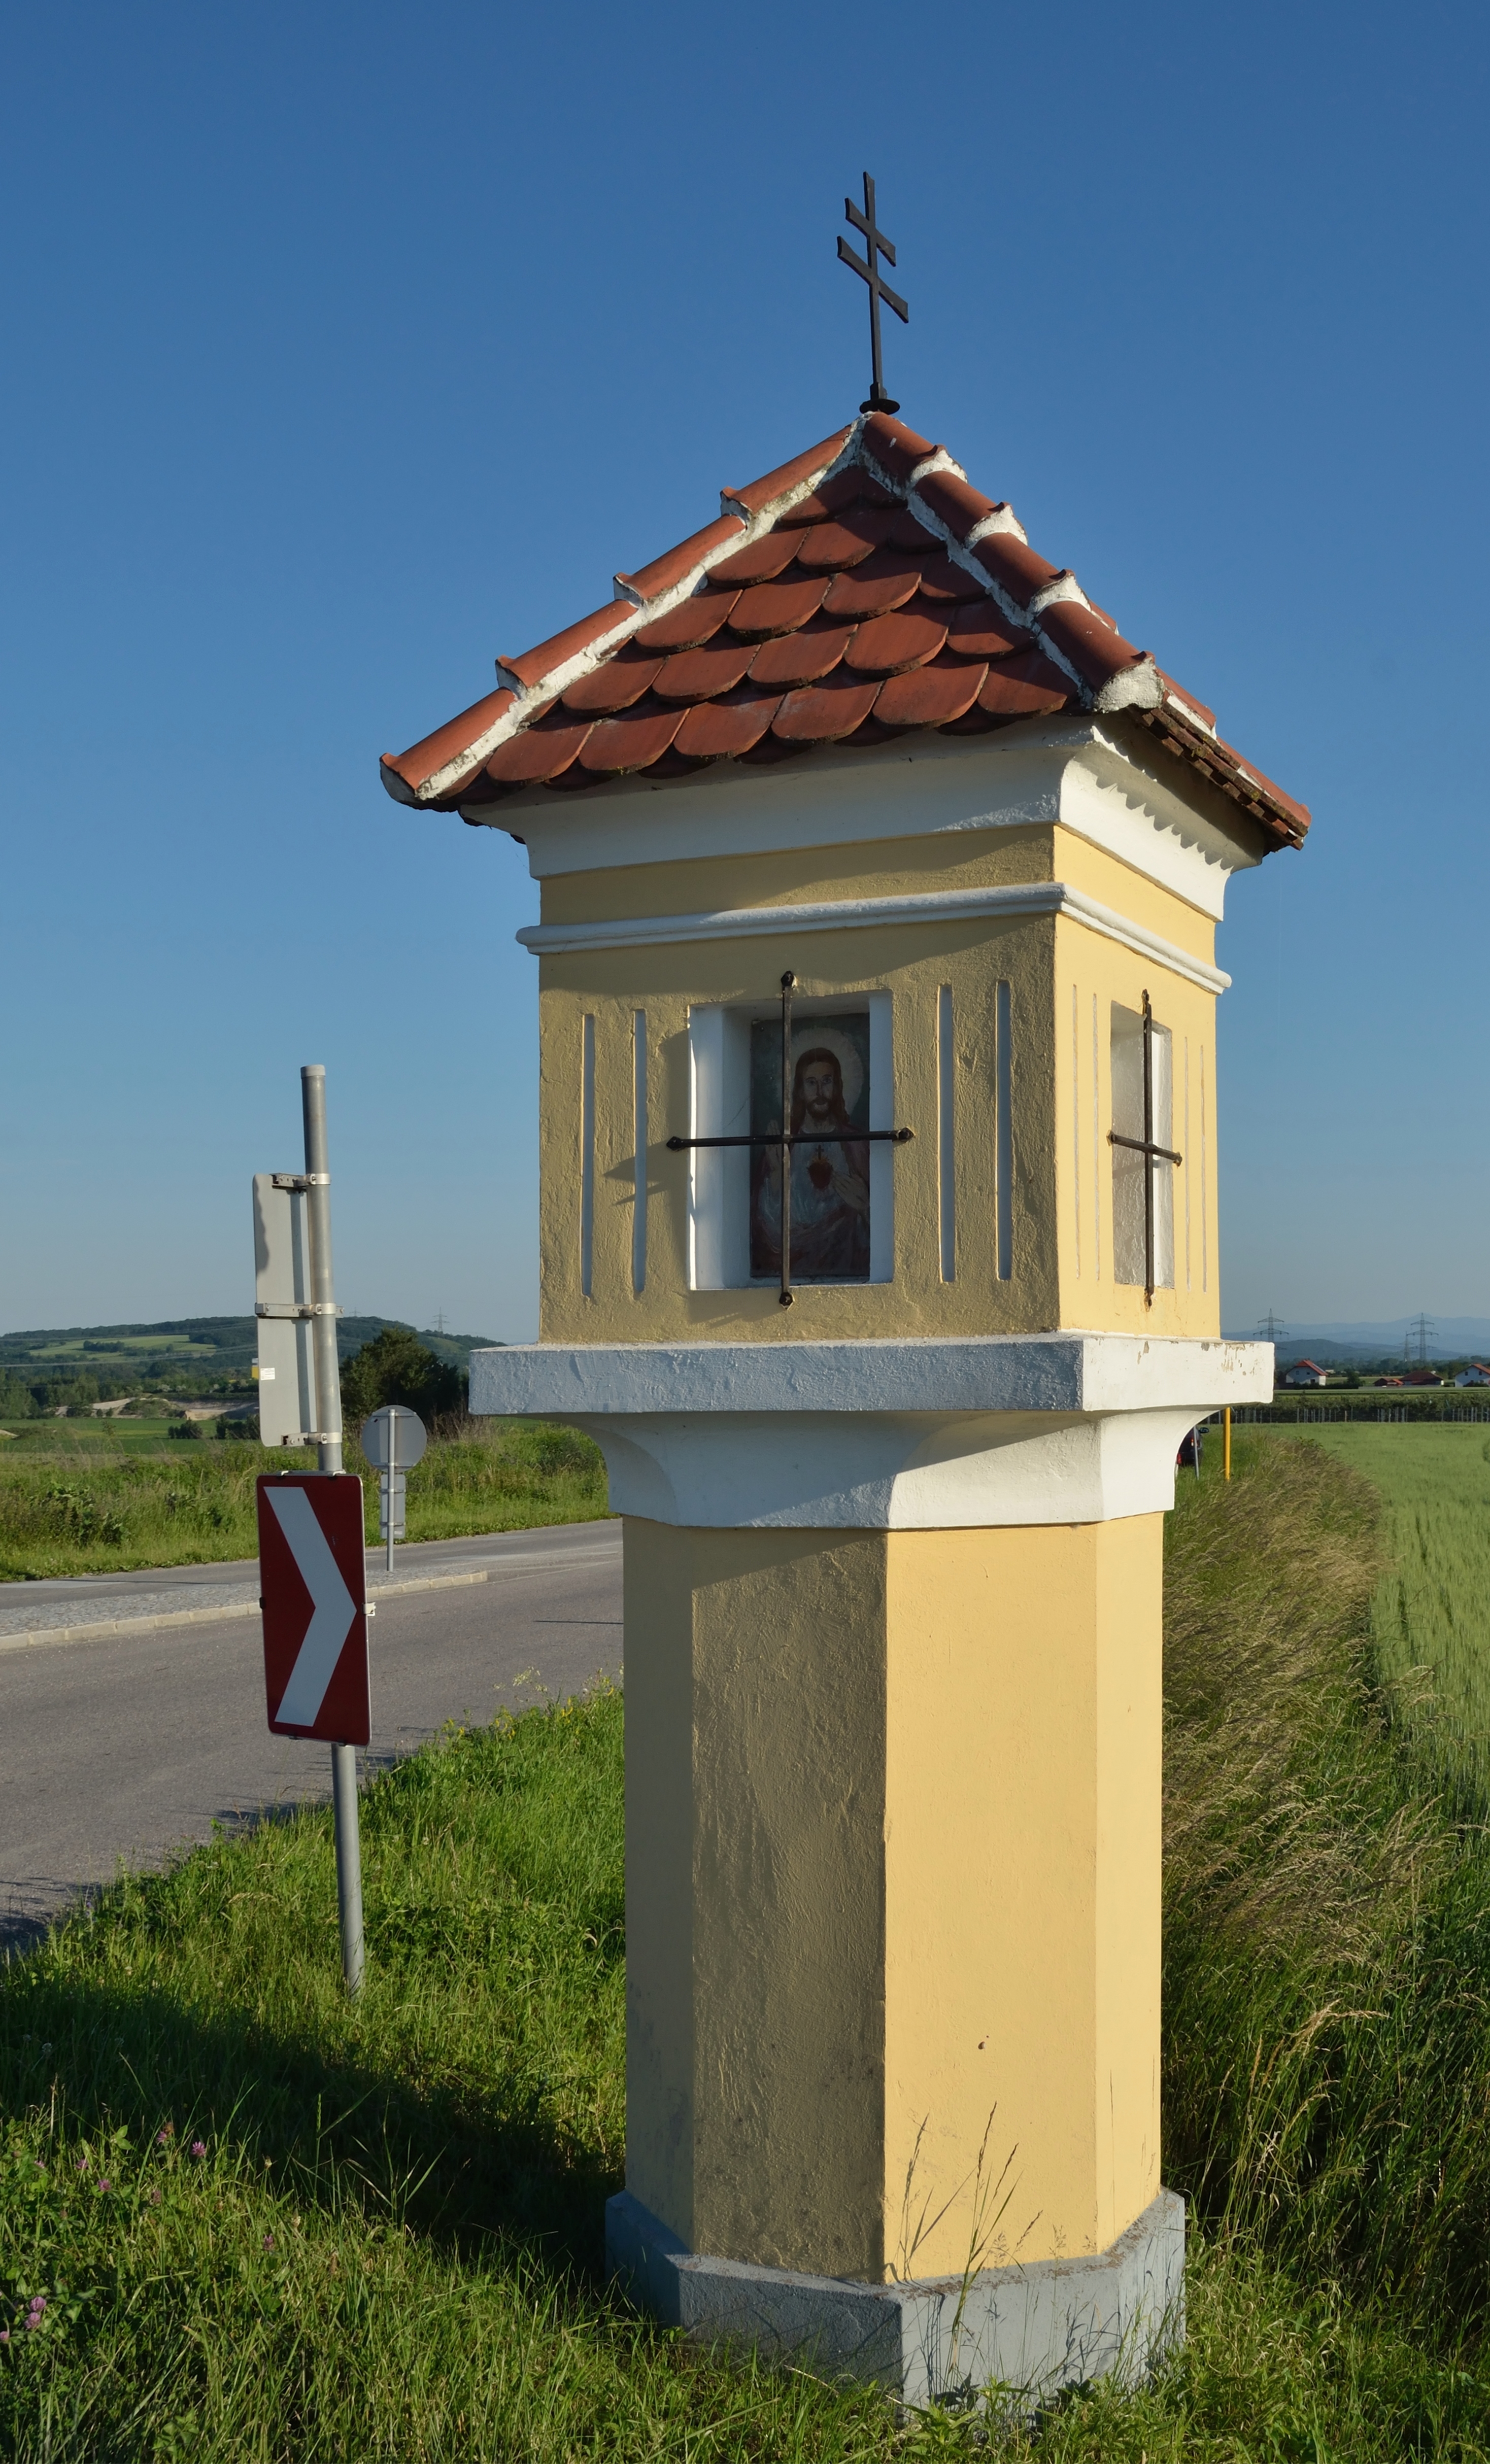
313, 1592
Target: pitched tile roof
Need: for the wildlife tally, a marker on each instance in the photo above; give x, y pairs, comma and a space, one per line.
863, 589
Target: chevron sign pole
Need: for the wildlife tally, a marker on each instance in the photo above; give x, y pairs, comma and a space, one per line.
312, 1566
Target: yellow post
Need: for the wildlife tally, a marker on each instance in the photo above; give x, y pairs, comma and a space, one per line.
1226, 1441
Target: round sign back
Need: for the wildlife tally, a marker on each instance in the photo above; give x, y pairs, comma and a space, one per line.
393, 1437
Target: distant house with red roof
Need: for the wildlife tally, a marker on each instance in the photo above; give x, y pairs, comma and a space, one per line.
1475, 1374
1305, 1373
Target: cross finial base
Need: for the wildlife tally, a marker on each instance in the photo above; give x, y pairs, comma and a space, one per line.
879, 400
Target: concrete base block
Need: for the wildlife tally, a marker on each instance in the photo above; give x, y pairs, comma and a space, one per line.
1023, 2332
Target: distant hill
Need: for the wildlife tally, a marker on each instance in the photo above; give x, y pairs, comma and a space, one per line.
1454, 1338
187, 1354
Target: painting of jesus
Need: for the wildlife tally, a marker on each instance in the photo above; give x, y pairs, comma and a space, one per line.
829, 1169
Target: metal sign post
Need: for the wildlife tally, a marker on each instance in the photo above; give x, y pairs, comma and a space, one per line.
296, 1305
393, 1440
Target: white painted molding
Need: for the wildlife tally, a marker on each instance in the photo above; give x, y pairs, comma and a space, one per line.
1076, 772
921, 1435
857, 915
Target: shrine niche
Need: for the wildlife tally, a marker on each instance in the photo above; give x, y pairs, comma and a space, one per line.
829, 1168
880, 877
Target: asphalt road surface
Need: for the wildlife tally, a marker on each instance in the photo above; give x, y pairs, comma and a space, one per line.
129, 1748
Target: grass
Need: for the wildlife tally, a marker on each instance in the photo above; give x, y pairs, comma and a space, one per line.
91, 1509
1431, 1614
87, 1438
388, 2246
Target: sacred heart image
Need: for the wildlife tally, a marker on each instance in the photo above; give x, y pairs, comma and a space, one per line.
830, 1156
312, 1567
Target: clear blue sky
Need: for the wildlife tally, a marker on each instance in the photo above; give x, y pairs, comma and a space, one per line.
348, 346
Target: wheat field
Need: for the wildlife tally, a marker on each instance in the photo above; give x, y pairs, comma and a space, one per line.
1430, 1611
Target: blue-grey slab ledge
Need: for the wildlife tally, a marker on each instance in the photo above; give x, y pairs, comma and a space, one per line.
1019, 2333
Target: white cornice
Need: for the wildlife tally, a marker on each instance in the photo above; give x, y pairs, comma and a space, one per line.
914, 1434
1073, 771
860, 915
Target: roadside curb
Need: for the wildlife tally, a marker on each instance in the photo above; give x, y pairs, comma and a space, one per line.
108, 1629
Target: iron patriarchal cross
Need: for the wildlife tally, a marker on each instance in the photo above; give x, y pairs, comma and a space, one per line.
867, 268
1151, 1154
785, 1139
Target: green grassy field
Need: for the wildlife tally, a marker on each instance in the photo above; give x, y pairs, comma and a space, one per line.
89, 1440
87, 1503
1430, 1615
262, 2223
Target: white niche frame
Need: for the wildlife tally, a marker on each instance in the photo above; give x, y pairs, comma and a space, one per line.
718, 1178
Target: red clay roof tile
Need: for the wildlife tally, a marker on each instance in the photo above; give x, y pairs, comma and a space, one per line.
665, 572
895, 447
909, 531
541, 752
830, 569
1020, 687
1187, 702
885, 579
697, 675
887, 645
691, 622
941, 579
532, 667
1015, 568
981, 632
448, 743
953, 501
632, 740
761, 494
777, 606
762, 561
820, 713
834, 496
1094, 650
819, 505
573, 777
774, 748
715, 731
932, 695
799, 658
835, 545
621, 681
671, 765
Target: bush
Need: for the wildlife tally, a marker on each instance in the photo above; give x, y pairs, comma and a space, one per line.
397, 1368
185, 1429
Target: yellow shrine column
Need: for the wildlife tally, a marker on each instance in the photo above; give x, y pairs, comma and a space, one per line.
893, 1887
893, 1698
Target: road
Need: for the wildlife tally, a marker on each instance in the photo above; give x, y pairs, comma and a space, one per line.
131, 1745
